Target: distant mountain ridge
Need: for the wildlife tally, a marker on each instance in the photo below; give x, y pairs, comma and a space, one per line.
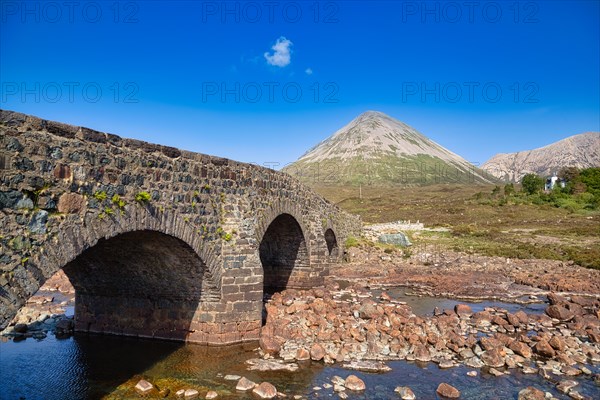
375, 148
581, 151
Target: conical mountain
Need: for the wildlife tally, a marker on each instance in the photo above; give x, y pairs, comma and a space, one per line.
377, 149
580, 151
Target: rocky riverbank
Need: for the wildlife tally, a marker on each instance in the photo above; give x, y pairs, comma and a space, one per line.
46, 311
353, 328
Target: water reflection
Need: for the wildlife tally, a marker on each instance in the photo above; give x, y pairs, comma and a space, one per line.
424, 305
95, 366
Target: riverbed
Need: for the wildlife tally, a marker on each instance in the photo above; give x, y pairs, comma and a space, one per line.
87, 366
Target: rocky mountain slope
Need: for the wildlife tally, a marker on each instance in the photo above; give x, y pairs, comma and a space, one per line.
377, 149
581, 151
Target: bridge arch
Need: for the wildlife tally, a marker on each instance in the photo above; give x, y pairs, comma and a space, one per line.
282, 250
331, 243
284, 247
95, 254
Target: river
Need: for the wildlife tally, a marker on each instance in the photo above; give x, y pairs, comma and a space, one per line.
93, 366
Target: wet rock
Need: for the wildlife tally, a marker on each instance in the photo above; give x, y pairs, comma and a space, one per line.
190, 394
566, 386
448, 391
463, 310
258, 364
405, 393
421, 353
143, 386
269, 344
493, 358
367, 366
20, 328
521, 349
544, 349
317, 352
211, 395
245, 384
531, 393
354, 383
265, 391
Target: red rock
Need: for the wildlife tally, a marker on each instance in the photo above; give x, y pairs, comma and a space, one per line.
422, 353
498, 320
531, 393
557, 343
245, 384
559, 312
265, 391
488, 343
521, 349
269, 344
493, 358
463, 310
513, 320
302, 354
554, 298
522, 316
355, 383
317, 352
71, 203
62, 172
448, 391
544, 349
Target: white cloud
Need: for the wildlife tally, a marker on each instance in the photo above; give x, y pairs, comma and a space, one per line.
281, 55
308, 71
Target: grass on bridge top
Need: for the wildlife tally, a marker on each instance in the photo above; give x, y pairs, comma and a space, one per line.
480, 221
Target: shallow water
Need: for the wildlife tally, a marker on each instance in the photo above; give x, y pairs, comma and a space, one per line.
423, 305
94, 366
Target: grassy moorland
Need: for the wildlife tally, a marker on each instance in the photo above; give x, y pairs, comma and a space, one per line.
483, 220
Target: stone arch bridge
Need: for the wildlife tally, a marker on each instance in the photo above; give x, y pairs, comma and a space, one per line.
158, 242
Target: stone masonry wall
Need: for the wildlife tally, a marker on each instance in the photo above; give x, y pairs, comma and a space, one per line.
65, 188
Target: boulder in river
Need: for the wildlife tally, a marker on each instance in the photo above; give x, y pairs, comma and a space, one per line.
143, 386
353, 382
405, 393
265, 391
448, 391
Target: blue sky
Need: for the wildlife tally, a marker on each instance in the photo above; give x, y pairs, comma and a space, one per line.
265, 81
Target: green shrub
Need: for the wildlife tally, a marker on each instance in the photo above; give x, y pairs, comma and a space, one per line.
100, 195
351, 242
142, 197
532, 183
117, 201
